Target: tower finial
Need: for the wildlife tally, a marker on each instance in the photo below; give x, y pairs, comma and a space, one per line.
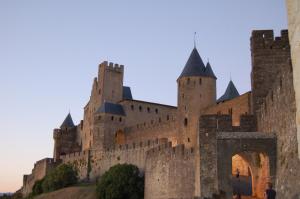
195, 39
230, 76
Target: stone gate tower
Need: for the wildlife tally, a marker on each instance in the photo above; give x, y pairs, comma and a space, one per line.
196, 91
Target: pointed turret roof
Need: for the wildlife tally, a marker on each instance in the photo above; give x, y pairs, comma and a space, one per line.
230, 93
68, 122
194, 66
209, 72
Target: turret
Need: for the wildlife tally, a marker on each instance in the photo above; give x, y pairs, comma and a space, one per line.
65, 138
108, 120
196, 91
230, 93
108, 86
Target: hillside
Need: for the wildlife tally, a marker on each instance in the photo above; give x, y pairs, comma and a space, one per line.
86, 192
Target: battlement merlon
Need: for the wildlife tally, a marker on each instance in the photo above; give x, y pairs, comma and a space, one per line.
111, 66
264, 39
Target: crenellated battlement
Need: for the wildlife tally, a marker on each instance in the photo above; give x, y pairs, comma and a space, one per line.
220, 123
264, 39
59, 133
112, 66
174, 152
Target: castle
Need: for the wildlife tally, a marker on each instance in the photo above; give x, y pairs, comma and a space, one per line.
191, 150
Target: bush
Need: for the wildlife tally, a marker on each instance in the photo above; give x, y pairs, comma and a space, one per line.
122, 181
62, 176
37, 187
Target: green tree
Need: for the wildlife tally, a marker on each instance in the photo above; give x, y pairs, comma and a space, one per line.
122, 181
62, 176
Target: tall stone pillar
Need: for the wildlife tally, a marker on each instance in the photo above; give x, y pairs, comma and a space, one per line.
293, 10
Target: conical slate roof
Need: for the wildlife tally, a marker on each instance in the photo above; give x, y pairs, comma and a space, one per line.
230, 93
68, 122
194, 66
111, 108
209, 72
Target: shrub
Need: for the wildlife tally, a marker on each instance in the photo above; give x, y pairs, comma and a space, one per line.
62, 176
37, 187
122, 181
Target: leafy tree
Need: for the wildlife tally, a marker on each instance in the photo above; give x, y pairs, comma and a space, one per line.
62, 176
122, 181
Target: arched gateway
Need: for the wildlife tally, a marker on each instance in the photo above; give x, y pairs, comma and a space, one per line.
224, 149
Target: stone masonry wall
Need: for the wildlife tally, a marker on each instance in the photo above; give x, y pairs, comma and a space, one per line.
236, 107
40, 169
293, 10
159, 128
169, 173
92, 164
268, 56
278, 114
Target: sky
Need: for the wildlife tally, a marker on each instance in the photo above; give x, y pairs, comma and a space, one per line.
50, 51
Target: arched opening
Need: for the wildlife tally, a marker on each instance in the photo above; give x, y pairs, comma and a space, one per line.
120, 137
250, 174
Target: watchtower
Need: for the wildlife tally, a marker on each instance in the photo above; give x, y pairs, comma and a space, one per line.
196, 91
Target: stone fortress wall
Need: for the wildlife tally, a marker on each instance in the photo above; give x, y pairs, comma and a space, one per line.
40, 169
92, 164
293, 8
169, 172
277, 113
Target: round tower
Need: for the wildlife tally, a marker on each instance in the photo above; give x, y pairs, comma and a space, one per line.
196, 91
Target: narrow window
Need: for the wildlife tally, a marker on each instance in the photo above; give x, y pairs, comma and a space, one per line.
189, 140
185, 121
112, 118
120, 119
148, 109
156, 111
200, 81
132, 107
140, 108
188, 81
168, 117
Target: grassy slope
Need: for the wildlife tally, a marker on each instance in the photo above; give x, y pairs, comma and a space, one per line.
84, 192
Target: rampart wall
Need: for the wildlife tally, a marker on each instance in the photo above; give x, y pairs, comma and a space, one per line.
92, 164
236, 107
39, 171
162, 127
278, 114
169, 172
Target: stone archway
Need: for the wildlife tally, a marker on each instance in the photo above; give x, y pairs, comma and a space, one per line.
257, 149
254, 173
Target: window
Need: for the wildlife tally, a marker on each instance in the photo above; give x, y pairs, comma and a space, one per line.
120, 119
230, 111
159, 120
112, 118
132, 107
156, 110
185, 121
188, 81
168, 117
189, 140
148, 109
140, 108
200, 81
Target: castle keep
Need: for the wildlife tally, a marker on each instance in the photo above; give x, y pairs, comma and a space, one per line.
194, 149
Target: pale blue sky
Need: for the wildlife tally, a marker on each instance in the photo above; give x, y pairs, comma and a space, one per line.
50, 50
